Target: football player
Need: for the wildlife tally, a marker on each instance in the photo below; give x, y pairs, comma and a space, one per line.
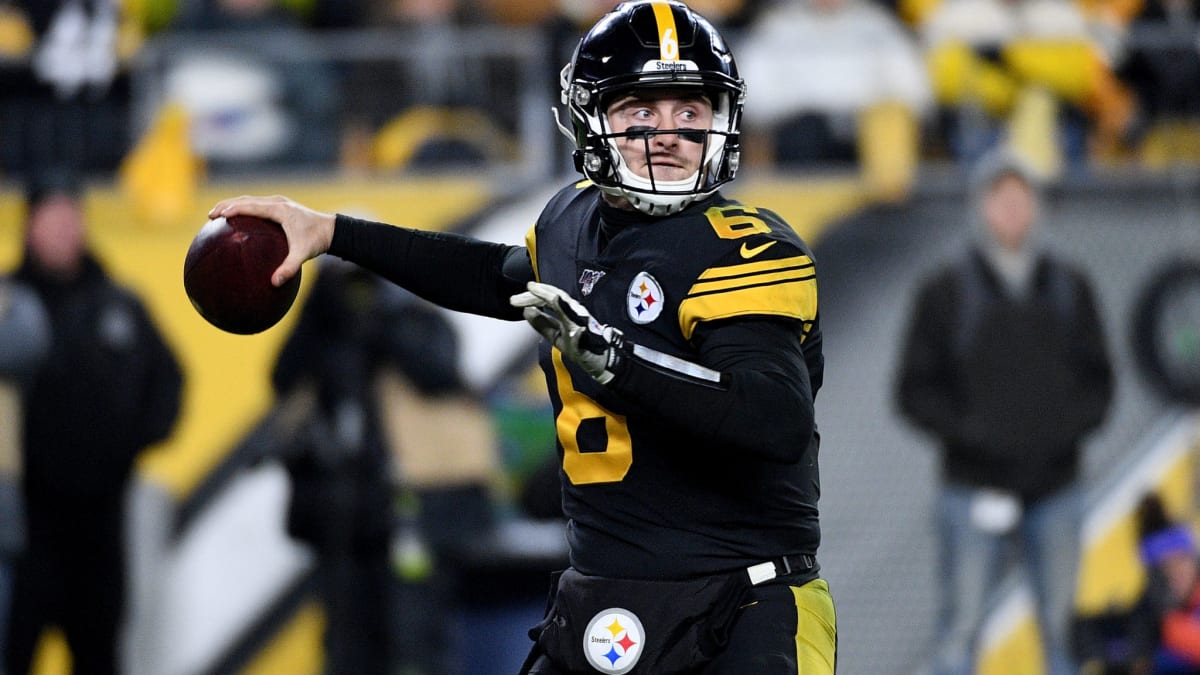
682, 354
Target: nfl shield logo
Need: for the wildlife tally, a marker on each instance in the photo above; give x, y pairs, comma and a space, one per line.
588, 279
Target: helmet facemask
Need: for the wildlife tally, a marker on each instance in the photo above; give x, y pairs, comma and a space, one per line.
599, 158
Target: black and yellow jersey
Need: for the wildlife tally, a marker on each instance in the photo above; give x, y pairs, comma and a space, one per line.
674, 477
698, 462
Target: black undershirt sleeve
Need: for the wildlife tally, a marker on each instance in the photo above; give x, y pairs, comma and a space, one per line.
763, 405
452, 270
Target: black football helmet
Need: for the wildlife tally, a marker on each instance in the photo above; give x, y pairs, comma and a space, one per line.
651, 44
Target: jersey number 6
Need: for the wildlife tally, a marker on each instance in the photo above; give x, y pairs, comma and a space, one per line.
605, 464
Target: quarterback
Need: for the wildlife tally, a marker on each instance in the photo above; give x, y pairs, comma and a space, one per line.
682, 354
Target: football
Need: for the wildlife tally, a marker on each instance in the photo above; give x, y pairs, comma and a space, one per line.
227, 274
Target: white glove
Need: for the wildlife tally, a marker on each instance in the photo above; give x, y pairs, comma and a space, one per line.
568, 326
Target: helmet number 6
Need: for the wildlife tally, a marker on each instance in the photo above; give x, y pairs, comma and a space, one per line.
669, 51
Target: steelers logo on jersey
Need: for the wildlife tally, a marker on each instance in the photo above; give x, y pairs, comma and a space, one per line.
645, 298
613, 641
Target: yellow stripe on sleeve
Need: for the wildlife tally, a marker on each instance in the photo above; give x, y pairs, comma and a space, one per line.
723, 285
798, 261
791, 295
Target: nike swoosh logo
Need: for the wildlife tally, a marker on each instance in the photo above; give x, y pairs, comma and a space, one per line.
748, 252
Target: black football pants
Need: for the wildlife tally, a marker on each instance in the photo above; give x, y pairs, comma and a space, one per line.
782, 630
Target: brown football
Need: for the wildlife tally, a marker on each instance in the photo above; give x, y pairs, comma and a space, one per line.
227, 274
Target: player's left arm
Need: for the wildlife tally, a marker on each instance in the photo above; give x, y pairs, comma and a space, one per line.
752, 318
748, 389
747, 386
753, 396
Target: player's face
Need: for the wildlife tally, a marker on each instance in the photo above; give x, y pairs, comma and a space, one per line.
671, 156
1009, 208
56, 237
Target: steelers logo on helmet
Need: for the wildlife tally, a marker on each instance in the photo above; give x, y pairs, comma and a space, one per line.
644, 299
643, 46
613, 641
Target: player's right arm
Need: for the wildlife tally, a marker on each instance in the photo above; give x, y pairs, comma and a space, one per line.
455, 271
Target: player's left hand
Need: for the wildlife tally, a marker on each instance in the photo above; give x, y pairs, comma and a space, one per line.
568, 326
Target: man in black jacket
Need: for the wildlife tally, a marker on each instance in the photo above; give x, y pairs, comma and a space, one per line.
1005, 364
108, 388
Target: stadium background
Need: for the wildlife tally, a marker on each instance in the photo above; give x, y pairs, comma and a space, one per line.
217, 587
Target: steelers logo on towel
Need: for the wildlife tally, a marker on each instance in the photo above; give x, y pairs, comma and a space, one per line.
645, 298
613, 641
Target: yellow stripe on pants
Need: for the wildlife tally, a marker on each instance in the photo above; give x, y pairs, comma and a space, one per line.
816, 629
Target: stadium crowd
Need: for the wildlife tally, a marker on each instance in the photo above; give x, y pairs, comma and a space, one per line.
881, 85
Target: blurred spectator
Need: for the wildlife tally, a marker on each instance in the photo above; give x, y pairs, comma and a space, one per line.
1004, 362
243, 14
1028, 70
65, 97
330, 14
255, 97
1160, 634
1166, 633
371, 359
835, 80
419, 12
24, 340
1163, 68
519, 12
109, 387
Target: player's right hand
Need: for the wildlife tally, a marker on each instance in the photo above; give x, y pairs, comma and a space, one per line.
309, 232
